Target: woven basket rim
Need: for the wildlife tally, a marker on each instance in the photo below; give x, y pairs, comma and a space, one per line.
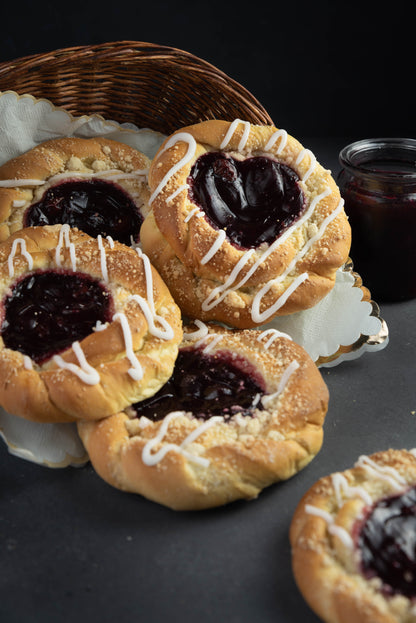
125, 50
155, 86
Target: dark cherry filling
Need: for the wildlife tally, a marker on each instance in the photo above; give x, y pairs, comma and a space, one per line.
94, 206
47, 311
255, 199
387, 540
206, 385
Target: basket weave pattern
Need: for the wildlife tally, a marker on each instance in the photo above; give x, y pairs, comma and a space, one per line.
152, 86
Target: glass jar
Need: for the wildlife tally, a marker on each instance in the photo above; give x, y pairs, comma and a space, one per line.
378, 184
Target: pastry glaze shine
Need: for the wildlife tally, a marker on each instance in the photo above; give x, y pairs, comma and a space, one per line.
206, 456
212, 276
97, 185
124, 356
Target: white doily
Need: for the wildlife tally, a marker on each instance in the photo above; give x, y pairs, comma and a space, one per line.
342, 318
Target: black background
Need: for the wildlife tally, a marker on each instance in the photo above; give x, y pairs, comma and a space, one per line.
74, 549
322, 68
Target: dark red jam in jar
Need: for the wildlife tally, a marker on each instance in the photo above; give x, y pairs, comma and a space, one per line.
378, 184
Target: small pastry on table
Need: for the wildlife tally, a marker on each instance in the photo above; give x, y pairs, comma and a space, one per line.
353, 541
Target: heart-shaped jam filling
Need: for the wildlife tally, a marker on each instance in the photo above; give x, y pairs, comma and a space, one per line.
387, 541
254, 199
92, 205
47, 311
206, 385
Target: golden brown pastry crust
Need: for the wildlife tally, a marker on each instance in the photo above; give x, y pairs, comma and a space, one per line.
326, 569
244, 455
69, 157
177, 242
49, 393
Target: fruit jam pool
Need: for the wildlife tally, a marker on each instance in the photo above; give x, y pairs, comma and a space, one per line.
378, 184
93, 205
255, 199
46, 311
387, 542
206, 385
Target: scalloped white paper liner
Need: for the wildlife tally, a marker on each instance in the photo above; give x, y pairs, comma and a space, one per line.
27, 121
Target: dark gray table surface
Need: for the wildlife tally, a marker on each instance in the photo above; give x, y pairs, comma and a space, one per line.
75, 549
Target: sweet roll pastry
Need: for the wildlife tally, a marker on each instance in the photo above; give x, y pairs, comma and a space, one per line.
87, 325
97, 185
242, 410
244, 224
353, 541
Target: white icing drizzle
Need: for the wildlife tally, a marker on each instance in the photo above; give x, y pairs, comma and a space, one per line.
100, 326
215, 247
68, 174
201, 332
279, 134
147, 306
110, 242
103, 258
149, 278
338, 531
143, 421
413, 451
319, 512
152, 459
382, 472
233, 126
220, 292
201, 429
255, 313
195, 212
64, 238
150, 315
342, 534
27, 362
17, 183
113, 174
190, 152
136, 371
284, 379
18, 203
312, 166
256, 400
214, 339
133, 243
342, 488
177, 192
274, 334
23, 251
261, 317
84, 371
311, 241
327, 220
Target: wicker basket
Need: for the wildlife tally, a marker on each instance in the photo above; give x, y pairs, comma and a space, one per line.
152, 86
